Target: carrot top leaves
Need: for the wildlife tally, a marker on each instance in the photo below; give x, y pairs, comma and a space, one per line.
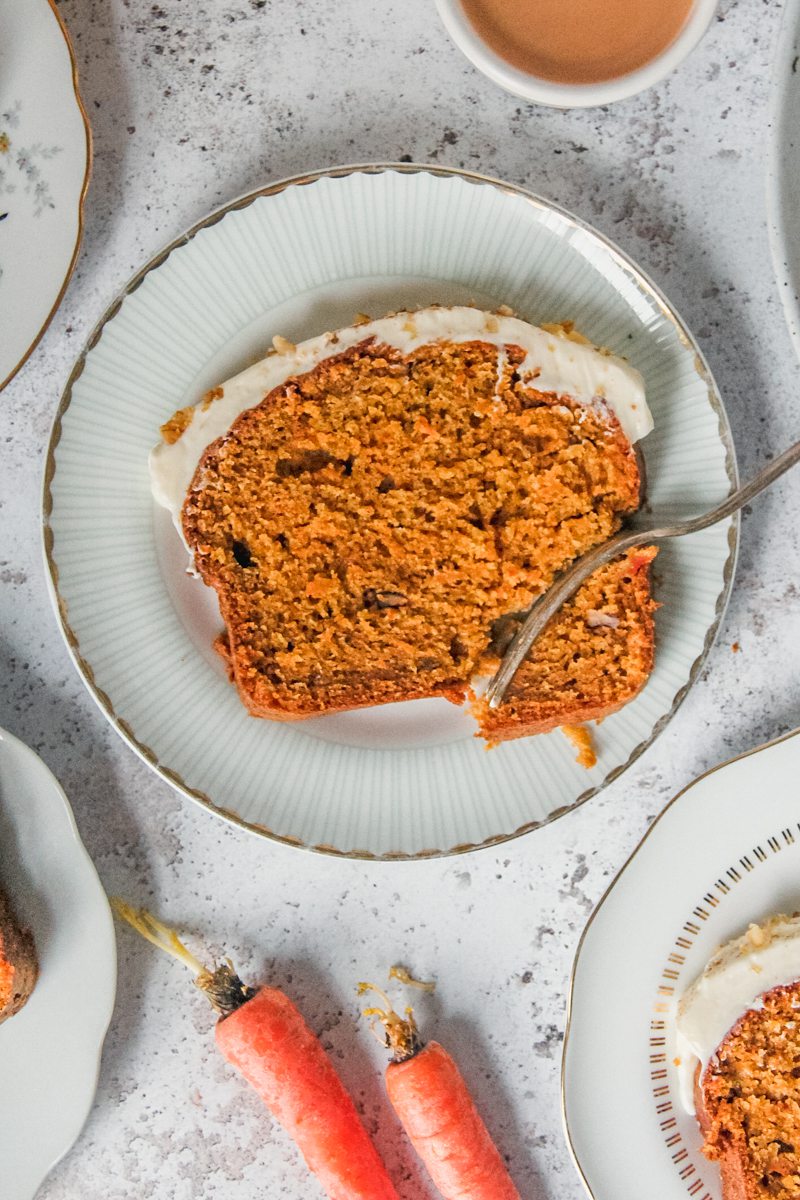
221, 985
157, 933
400, 1034
405, 976
224, 988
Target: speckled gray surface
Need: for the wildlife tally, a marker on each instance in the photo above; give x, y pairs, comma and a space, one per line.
192, 103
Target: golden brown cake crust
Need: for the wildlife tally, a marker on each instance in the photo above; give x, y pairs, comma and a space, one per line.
748, 1101
18, 964
368, 525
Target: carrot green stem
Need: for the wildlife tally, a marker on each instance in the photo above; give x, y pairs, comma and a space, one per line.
220, 985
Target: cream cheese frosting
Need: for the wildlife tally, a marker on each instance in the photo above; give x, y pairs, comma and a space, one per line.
553, 361
741, 971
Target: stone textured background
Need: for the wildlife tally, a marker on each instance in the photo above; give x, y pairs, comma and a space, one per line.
192, 103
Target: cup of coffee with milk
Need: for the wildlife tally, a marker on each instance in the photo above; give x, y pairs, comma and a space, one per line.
578, 54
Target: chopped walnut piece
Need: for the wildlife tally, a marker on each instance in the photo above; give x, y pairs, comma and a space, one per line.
374, 599
283, 345
596, 619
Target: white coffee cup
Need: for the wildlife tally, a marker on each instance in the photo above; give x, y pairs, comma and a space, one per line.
573, 95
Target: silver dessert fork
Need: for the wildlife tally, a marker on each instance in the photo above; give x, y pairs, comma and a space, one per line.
548, 604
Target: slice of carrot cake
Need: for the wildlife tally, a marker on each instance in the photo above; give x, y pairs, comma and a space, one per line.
373, 504
739, 1043
18, 963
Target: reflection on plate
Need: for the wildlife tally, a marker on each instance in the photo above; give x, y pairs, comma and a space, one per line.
50, 1051
298, 258
725, 852
44, 173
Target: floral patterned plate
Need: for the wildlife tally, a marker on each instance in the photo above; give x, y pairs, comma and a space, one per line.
45, 155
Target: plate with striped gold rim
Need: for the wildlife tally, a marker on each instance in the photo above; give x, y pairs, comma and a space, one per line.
296, 258
713, 862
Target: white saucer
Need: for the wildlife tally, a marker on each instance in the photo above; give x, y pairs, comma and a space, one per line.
50, 1051
725, 852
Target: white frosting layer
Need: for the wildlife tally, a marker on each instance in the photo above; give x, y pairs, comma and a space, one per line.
554, 362
739, 973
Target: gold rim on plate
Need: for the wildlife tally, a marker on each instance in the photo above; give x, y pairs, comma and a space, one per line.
144, 751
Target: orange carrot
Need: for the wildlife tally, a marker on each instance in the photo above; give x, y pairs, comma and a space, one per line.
268, 1041
431, 1099
264, 1036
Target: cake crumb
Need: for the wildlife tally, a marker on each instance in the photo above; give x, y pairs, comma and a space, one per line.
177, 425
283, 345
736, 647
581, 739
567, 330
757, 936
215, 394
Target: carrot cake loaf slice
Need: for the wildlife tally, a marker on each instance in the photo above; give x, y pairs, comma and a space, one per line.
18, 963
374, 506
739, 1059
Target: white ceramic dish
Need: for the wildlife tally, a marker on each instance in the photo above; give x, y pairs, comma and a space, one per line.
725, 852
298, 258
572, 95
50, 1051
783, 168
45, 154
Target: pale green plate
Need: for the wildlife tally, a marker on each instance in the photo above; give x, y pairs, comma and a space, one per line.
297, 258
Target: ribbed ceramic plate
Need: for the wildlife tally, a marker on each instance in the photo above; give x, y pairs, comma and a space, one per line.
296, 259
50, 1050
725, 852
44, 173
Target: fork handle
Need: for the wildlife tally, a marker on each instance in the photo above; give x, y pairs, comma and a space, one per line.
547, 605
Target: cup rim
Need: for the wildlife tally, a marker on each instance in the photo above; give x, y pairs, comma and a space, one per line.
573, 95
